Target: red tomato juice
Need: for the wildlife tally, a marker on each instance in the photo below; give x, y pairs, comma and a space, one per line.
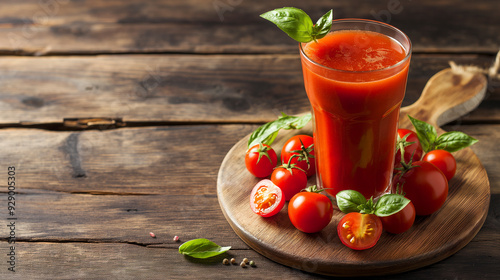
355, 81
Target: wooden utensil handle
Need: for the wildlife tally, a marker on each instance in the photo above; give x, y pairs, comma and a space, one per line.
447, 96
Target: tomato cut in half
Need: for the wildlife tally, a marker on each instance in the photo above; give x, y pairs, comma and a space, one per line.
359, 231
266, 198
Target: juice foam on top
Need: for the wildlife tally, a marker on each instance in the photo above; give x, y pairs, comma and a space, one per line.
353, 50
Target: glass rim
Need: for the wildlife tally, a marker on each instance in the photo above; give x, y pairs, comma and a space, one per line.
399, 63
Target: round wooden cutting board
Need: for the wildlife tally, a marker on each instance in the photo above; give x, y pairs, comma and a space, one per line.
446, 96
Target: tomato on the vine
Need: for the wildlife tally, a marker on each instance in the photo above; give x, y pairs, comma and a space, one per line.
424, 184
412, 152
444, 160
260, 160
290, 179
266, 198
310, 211
303, 147
401, 221
359, 231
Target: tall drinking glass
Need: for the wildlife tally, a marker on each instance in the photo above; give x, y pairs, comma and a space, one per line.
355, 79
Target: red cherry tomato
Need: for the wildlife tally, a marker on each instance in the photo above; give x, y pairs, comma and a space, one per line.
305, 153
425, 185
260, 160
359, 231
414, 149
310, 212
266, 198
401, 221
444, 160
289, 179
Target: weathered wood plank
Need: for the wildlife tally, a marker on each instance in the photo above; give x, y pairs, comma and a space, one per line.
124, 261
155, 160
218, 88
45, 216
160, 160
486, 149
228, 26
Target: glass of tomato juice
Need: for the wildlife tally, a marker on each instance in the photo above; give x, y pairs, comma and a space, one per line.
355, 79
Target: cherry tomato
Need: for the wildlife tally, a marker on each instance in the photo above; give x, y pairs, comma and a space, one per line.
425, 185
401, 221
310, 212
444, 160
289, 179
414, 149
304, 150
260, 160
359, 231
266, 198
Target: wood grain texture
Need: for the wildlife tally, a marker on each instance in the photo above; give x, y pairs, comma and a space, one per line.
139, 161
49, 216
182, 88
222, 26
430, 240
447, 96
77, 260
486, 150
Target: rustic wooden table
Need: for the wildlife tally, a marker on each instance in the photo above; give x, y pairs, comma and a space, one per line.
116, 115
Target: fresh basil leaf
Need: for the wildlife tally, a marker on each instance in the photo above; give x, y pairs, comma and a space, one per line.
426, 133
201, 248
349, 201
266, 133
390, 204
297, 122
295, 22
454, 141
323, 26
368, 207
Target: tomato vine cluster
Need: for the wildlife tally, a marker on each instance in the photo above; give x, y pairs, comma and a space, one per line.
423, 166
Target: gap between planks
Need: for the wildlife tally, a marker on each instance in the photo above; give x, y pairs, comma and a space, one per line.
61, 126
38, 53
152, 245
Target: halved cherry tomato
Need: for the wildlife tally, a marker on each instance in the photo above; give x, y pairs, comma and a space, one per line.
412, 152
266, 198
359, 231
401, 221
309, 211
260, 160
304, 150
425, 185
444, 160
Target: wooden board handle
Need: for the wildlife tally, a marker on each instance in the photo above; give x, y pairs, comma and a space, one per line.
448, 95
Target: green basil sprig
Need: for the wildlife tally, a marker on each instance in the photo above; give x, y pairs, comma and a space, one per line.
266, 133
450, 141
201, 248
349, 201
298, 25
353, 201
